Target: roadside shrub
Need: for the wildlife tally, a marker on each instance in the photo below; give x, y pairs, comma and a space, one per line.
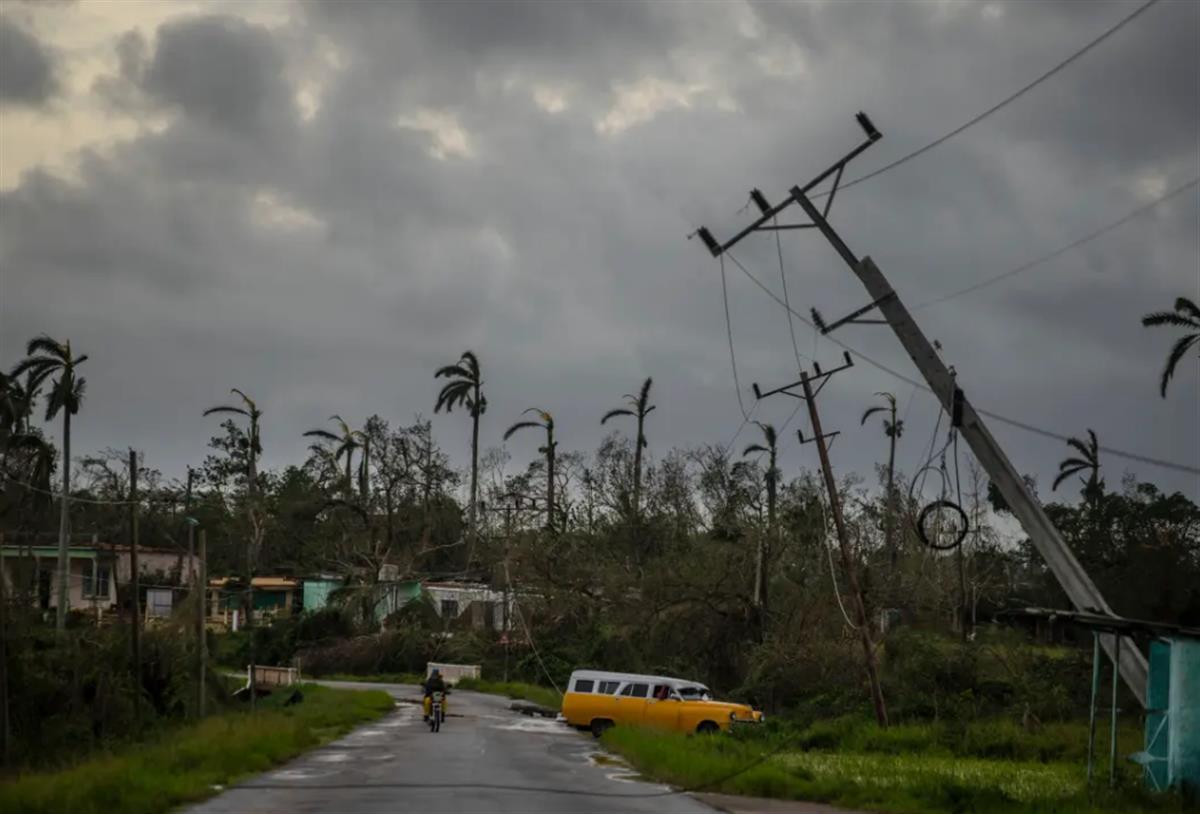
74, 693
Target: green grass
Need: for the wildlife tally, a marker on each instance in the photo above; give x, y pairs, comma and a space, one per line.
542, 696
183, 764
906, 770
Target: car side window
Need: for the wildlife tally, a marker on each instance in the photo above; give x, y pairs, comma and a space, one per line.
639, 690
608, 687
584, 684
662, 692
627, 690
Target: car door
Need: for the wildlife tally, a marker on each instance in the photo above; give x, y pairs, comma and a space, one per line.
631, 704
662, 708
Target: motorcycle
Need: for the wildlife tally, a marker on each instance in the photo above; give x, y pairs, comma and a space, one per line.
437, 711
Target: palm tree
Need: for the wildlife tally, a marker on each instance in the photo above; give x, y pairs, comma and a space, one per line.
639, 408
760, 564
45, 357
893, 429
1093, 487
465, 388
1186, 315
251, 412
547, 424
254, 446
343, 447
18, 439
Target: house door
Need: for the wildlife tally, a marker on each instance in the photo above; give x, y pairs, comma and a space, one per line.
43, 584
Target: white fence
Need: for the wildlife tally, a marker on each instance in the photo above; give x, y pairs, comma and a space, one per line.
273, 676
451, 673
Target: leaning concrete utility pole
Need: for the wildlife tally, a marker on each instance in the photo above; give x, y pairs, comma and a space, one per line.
1076, 583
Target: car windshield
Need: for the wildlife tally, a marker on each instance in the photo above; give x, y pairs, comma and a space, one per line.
695, 692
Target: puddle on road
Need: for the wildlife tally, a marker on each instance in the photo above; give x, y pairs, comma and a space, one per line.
298, 774
605, 759
534, 726
625, 773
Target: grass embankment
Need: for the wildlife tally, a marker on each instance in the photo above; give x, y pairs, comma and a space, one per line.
987, 767
183, 764
377, 678
519, 690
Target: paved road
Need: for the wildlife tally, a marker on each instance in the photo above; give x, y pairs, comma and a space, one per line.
485, 759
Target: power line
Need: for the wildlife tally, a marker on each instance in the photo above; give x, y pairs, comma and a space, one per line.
1116, 453
74, 499
783, 281
1002, 103
729, 334
1141, 210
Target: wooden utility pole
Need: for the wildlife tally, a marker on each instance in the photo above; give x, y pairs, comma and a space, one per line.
202, 628
848, 562
4, 726
135, 577
1075, 581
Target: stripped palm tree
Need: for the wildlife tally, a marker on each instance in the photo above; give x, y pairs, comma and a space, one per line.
253, 447
252, 444
893, 429
342, 446
770, 448
546, 423
639, 408
46, 357
1089, 462
1187, 316
465, 388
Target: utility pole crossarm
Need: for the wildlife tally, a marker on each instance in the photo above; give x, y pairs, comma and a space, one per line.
1075, 581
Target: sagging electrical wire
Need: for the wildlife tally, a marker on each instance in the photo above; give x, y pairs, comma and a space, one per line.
880, 366
737, 384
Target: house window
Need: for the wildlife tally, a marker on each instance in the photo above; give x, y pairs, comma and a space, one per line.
96, 583
158, 602
449, 609
584, 684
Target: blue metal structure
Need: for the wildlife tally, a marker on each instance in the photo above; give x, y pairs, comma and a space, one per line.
1171, 757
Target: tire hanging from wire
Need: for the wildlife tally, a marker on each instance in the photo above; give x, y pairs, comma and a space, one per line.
935, 509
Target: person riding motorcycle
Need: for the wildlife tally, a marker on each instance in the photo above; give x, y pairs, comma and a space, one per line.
435, 683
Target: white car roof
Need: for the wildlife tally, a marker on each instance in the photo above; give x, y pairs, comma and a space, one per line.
604, 675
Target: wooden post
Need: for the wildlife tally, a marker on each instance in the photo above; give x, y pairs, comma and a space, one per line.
202, 594
135, 577
4, 726
835, 507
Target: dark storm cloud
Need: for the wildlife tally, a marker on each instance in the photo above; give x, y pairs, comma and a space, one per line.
330, 264
26, 67
220, 71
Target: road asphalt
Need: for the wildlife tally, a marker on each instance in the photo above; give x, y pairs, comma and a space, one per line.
485, 759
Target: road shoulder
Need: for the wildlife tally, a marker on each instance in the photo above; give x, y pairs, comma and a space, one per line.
734, 804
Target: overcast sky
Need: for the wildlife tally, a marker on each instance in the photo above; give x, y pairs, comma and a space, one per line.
322, 202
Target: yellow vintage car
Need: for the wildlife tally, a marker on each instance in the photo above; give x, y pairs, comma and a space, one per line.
596, 700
